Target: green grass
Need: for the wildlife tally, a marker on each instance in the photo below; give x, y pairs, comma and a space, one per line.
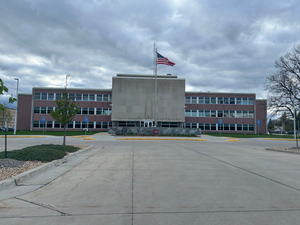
250, 135
51, 133
43, 153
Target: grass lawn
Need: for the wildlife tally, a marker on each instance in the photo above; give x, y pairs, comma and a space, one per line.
53, 133
43, 153
250, 135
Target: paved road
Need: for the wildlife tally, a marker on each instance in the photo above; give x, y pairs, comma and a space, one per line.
163, 182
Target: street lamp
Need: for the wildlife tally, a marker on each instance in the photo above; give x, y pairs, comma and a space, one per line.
67, 81
16, 111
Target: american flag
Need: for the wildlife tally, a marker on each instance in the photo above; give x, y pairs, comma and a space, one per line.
164, 60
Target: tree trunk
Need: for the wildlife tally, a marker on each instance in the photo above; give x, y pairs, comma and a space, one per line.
64, 142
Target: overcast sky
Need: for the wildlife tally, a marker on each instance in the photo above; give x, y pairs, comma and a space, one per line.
217, 45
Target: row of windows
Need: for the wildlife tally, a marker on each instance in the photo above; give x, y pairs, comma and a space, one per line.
218, 113
82, 111
75, 97
218, 100
215, 126
73, 124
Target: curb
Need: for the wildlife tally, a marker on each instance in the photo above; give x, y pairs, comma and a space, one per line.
161, 139
13, 181
278, 150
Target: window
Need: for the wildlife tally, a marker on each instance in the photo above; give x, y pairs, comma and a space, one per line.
201, 100
245, 114
226, 101
72, 97
79, 112
70, 125
239, 127
78, 97
49, 110
220, 113
207, 113
239, 114
238, 101
36, 123
250, 101
251, 127
231, 114
188, 125
207, 126
77, 124
92, 97
91, 125
187, 112
43, 110
49, 124
194, 100
99, 111
98, 125
226, 113
244, 101
207, 100
106, 111
105, 98
213, 126
232, 101
220, 100
245, 127
104, 124
37, 96
84, 111
213, 113
201, 126
99, 98
250, 114
194, 113
213, 100
91, 111
56, 124
50, 96
226, 126
194, 125
187, 100
44, 96
201, 113
85, 97
231, 126
57, 96
220, 126
36, 110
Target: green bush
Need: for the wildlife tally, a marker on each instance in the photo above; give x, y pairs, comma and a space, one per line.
43, 153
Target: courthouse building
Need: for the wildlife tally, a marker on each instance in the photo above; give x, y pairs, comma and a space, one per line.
131, 103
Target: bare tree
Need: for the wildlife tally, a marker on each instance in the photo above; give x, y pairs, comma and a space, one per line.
5, 115
284, 84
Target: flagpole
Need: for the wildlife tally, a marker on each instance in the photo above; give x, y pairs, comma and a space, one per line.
155, 72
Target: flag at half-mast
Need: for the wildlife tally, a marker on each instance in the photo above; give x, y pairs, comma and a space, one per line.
164, 60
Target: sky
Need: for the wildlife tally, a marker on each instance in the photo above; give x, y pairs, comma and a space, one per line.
217, 45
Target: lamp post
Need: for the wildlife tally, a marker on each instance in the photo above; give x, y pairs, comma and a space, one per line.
16, 111
67, 81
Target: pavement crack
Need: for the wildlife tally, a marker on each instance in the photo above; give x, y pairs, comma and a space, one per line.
44, 206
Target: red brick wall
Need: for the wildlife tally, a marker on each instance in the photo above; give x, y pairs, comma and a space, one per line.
24, 111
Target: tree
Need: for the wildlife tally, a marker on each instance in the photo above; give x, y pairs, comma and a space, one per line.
270, 125
65, 112
284, 84
4, 89
5, 115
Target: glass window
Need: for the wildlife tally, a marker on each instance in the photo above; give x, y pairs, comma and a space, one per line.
220, 100
245, 127
106, 111
194, 125
238, 101
187, 112
207, 126
43, 110
231, 114
244, 101
56, 124
226, 113
232, 126
201, 126
92, 97
79, 111
250, 114
49, 124
72, 97
99, 111
239, 114
98, 125
220, 127
201, 113
77, 124
201, 100
105, 98
50, 96
44, 96
36, 110
226, 126
99, 98
57, 96
70, 125
104, 124
85, 97
187, 100
194, 113
251, 127
36, 123
232, 101
220, 113
213, 113
91, 125
49, 110
207, 113
37, 96
194, 100
187, 125
213, 100
245, 114
78, 97
213, 126
226, 101
84, 111
207, 100
250, 101
239, 127
91, 111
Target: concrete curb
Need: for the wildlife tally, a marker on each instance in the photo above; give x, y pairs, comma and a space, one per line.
278, 150
13, 181
161, 139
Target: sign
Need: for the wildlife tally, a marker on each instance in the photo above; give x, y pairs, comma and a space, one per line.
86, 119
258, 122
220, 122
43, 119
156, 131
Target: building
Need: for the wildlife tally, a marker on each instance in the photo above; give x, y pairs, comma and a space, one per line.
131, 103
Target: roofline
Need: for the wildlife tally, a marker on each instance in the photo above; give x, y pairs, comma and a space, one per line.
72, 89
228, 93
148, 76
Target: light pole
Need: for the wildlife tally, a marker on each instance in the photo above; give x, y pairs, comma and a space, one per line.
16, 111
67, 81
